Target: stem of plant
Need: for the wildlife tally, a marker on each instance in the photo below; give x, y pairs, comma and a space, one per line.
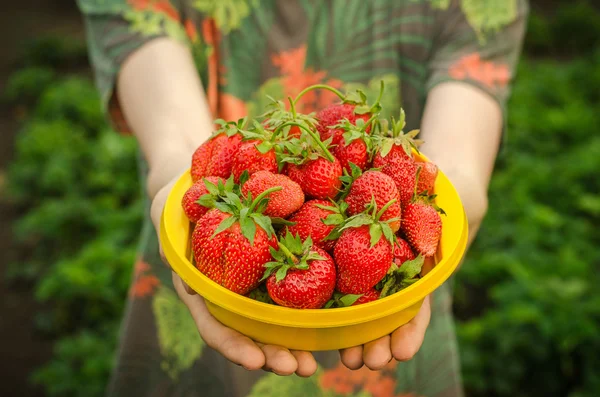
328, 154
292, 107
262, 196
384, 208
319, 86
288, 253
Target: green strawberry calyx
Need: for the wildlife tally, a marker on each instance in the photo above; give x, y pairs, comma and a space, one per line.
357, 98
348, 179
426, 199
308, 147
229, 128
247, 211
352, 132
400, 277
277, 114
338, 215
341, 300
384, 138
293, 253
216, 191
369, 217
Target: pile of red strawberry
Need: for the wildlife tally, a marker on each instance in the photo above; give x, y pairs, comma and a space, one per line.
310, 211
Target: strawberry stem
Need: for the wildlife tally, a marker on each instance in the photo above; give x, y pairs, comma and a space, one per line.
384, 208
328, 154
319, 86
287, 253
381, 89
262, 196
292, 107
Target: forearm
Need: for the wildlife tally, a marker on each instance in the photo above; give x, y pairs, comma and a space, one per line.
164, 104
461, 128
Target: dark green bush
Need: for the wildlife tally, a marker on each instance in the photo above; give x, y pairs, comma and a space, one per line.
536, 259
77, 182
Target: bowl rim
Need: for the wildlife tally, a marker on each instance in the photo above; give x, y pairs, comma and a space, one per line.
305, 318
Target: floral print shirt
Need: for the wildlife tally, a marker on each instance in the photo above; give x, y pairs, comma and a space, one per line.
244, 51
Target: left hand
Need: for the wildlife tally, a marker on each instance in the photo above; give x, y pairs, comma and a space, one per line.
402, 344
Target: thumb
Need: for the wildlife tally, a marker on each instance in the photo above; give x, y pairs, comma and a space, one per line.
156, 210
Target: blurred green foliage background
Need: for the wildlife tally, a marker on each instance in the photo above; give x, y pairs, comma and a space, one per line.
527, 299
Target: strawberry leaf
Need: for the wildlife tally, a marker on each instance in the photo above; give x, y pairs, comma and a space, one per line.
349, 299
211, 187
388, 233
206, 200
224, 225
264, 147
333, 219
387, 146
248, 228
282, 272
411, 268
281, 221
264, 222
243, 178
375, 231
357, 221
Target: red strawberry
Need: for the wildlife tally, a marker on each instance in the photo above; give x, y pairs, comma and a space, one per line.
422, 224
402, 252
250, 159
333, 115
319, 178
356, 152
215, 157
369, 296
302, 276
361, 265
427, 177
224, 151
309, 222
375, 185
281, 203
200, 160
401, 168
193, 210
393, 155
231, 244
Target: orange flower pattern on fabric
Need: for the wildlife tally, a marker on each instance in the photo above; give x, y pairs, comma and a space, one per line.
212, 37
144, 283
231, 108
160, 6
346, 382
190, 30
295, 78
488, 73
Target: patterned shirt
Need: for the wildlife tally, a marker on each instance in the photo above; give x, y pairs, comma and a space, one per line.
245, 50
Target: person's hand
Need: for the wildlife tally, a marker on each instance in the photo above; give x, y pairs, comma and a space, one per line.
401, 345
234, 346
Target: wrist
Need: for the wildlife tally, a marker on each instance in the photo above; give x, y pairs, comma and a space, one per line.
164, 168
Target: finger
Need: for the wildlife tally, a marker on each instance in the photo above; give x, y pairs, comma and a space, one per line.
234, 346
307, 365
428, 265
378, 353
279, 360
407, 340
187, 288
352, 357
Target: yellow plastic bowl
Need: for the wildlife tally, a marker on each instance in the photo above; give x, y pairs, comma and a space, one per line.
314, 329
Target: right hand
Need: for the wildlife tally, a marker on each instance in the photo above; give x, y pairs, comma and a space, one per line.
234, 346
